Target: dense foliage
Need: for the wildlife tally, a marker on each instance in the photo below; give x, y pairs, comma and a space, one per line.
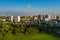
27, 28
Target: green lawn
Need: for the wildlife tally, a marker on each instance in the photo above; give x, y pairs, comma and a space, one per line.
35, 36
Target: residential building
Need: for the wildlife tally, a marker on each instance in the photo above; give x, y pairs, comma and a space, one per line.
40, 17
16, 18
53, 16
11, 18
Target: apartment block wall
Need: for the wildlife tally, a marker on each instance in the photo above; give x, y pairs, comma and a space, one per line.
11, 18
16, 18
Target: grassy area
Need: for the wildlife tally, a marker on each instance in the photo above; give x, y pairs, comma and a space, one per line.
35, 36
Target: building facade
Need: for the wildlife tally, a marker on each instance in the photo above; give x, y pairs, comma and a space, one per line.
16, 19
40, 17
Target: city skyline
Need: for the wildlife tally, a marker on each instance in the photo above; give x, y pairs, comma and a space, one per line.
29, 7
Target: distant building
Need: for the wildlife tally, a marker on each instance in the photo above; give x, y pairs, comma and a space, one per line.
46, 17
11, 19
50, 17
2, 20
53, 16
31, 18
16, 18
35, 17
40, 17
58, 17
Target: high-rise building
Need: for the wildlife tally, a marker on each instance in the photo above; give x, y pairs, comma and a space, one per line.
49, 17
16, 18
11, 18
58, 17
40, 17
53, 16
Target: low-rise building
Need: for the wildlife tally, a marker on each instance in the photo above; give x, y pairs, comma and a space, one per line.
2, 20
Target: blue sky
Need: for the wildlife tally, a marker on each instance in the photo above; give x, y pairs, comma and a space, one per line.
30, 5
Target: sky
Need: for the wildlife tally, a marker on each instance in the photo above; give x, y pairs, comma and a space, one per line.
34, 6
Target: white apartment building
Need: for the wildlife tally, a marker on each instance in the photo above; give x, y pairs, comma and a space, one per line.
16, 18
11, 18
